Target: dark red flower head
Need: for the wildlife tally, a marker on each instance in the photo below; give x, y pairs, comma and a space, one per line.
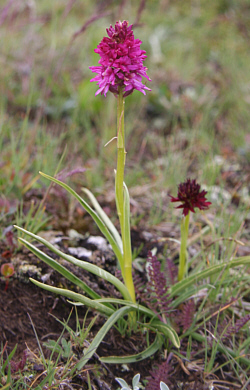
121, 62
190, 196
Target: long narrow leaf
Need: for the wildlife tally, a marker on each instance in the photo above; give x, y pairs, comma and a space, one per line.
133, 305
104, 218
190, 280
82, 264
59, 268
101, 334
9, 357
155, 325
76, 297
168, 331
47, 378
154, 347
103, 228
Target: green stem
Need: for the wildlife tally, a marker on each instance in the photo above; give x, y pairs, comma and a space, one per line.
123, 212
183, 248
127, 247
119, 197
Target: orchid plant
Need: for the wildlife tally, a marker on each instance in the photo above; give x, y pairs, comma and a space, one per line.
190, 196
120, 72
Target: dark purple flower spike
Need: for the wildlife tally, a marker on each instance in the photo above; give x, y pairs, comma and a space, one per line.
121, 62
190, 196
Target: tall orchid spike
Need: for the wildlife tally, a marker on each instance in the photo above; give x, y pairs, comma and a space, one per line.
121, 62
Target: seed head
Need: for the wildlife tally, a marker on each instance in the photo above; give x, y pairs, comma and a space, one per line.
121, 62
190, 196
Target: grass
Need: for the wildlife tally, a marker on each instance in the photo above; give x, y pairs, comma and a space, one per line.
210, 91
194, 122
54, 374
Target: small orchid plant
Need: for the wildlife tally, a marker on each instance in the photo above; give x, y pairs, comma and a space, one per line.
190, 196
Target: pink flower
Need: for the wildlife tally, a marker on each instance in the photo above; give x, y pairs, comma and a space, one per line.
121, 62
190, 196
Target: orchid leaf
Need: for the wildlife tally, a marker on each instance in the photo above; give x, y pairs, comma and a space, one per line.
154, 347
59, 268
103, 228
134, 306
101, 334
76, 297
82, 264
104, 218
168, 331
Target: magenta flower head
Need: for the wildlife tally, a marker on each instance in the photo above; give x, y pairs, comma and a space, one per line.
121, 62
190, 196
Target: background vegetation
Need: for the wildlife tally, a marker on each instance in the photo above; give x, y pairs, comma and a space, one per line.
196, 116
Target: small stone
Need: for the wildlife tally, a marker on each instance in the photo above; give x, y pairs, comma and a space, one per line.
80, 252
99, 242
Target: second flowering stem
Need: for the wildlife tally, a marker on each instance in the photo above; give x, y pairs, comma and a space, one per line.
190, 196
183, 248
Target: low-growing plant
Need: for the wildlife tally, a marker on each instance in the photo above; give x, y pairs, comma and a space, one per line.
136, 385
7, 270
78, 337
60, 367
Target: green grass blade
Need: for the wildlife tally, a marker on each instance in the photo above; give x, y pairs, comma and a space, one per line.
154, 347
229, 351
6, 386
59, 268
187, 293
47, 378
82, 264
76, 297
104, 218
103, 228
9, 357
101, 334
191, 280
